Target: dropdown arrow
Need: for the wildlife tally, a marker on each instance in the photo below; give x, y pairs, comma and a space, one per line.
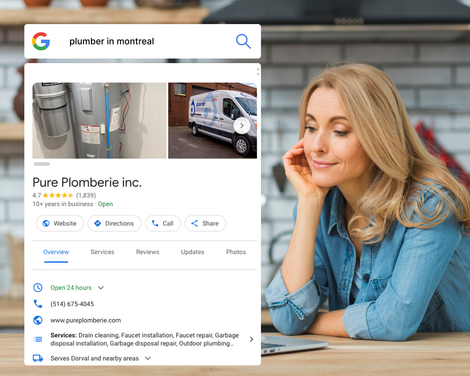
148, 358
100, 287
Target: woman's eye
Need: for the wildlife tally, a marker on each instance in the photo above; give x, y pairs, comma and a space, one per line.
310, 129
341, 133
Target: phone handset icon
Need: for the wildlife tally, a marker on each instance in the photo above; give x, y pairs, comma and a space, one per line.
36, 304
155, 224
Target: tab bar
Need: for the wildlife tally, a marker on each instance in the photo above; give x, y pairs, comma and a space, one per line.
142, 41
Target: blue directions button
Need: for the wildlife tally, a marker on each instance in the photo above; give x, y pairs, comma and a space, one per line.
114, 223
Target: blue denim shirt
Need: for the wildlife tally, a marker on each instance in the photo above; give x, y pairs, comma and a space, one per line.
413, 280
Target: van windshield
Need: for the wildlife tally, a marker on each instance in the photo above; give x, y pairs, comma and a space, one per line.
249, 105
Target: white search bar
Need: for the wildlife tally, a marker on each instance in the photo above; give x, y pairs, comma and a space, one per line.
142, 41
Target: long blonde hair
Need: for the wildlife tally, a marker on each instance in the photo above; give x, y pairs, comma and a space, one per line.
379, 119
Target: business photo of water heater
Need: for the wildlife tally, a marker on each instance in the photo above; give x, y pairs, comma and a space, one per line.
99, 120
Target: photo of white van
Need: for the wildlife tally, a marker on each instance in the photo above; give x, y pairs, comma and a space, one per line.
214, 114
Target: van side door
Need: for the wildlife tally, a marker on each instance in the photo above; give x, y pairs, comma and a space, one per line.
227, 123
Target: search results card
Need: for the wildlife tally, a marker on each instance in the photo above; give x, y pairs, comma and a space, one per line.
142, 214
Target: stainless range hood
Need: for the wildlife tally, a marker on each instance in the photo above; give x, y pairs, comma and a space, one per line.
341, 12
352, 20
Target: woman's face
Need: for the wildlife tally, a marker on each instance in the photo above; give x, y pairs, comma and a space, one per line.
334, 154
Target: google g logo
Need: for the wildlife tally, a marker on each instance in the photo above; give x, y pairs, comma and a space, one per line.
46, 42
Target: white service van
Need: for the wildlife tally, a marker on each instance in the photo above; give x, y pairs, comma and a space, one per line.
214, 114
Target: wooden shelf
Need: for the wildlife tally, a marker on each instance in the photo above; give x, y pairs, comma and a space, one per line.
98, 15
12, 131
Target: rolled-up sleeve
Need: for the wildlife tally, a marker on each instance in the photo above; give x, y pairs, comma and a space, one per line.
293, 313
399, 310
355, 321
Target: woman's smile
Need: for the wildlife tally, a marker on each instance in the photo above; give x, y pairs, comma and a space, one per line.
321, 164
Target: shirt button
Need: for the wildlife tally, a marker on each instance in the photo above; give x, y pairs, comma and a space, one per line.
366, 278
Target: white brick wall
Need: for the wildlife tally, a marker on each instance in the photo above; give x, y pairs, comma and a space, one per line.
280, 208
463, 76
279, 227
442, 122
381, 53
274, 120
15, 166
445, 53
408, 96
422, 76
462, 122
11, 188
266, 99
455, 142
453, 98
3, 214
3, 76
313, 72
464, 158
283, 76
16, 211
303, 53
7, 96
12, 54
14, 79
285, 98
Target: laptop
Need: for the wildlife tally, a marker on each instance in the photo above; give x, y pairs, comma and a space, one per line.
277, 344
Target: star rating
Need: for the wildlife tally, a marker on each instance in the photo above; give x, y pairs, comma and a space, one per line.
57, 195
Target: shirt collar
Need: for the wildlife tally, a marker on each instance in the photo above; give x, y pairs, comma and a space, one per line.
337, 213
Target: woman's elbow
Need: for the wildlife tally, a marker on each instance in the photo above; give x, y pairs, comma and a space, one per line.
394, 334
286, 321
288, 330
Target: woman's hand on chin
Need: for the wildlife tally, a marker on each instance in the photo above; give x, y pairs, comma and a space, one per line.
299, 174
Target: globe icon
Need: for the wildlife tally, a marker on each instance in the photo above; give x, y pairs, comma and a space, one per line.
46, 223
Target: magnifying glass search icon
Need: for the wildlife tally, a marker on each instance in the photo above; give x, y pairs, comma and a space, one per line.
240, 39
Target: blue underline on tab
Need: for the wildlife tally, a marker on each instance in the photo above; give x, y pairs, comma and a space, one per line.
56, 262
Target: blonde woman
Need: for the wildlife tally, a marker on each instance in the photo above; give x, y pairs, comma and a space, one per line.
381, 226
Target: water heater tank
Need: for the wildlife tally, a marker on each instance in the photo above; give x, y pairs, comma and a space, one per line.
52, 106
91, 128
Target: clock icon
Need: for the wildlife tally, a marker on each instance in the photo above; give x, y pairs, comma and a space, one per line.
37, 287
